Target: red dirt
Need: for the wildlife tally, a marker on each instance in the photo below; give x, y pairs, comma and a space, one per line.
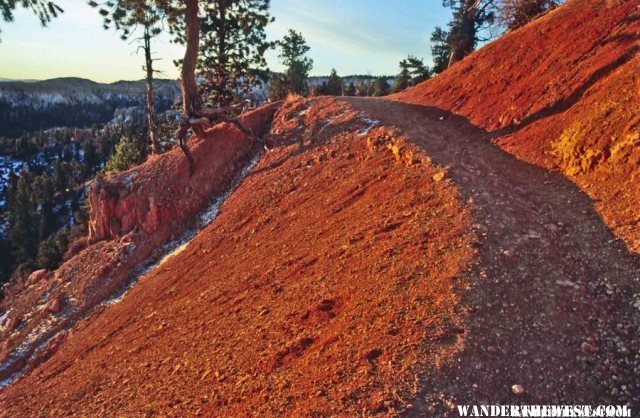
264, 315
562, 92
161, 192
132, 214
403, 267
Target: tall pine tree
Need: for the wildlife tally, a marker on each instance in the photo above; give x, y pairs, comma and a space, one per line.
469, 17
293, 54
232, 45
334, 84
403, 80
440, 49
23, 219
419, 71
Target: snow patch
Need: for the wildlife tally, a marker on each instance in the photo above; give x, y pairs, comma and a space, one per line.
371, 123
3, 319
180, 244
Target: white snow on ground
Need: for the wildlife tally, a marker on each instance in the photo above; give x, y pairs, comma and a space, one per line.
10, 379
3, 319
129, 179
331, 120
213, 210
178, 245
35, 335
372, 124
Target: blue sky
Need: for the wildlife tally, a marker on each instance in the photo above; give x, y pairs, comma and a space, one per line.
354, 36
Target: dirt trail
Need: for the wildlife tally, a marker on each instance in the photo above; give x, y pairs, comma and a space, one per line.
550, 302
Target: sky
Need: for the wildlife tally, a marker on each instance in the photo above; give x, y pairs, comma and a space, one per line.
352, 36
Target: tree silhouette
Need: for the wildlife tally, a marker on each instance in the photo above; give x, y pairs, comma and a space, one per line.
233, 44
44, 10
293, 50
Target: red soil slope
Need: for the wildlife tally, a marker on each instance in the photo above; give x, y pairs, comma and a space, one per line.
132, 215
325, 286
563, 91
346, 277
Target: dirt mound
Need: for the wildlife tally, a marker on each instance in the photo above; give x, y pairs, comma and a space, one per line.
132, 215
262, 314
562, 92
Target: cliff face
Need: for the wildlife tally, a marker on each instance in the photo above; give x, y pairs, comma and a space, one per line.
132, 215
161, 192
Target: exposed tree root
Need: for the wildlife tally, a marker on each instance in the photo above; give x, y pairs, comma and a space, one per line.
181, 134
204, 119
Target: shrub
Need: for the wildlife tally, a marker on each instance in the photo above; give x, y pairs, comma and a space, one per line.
126, 155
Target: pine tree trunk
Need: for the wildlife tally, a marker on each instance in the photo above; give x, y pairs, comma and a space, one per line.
151, 117
190, 97
191, 104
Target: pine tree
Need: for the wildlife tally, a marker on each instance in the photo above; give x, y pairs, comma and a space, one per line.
48, 255
419, 71
403, 80
23, 219
47, 221
187, 25
350, 90
469, 16
127, 16
293, 54
184, 21
60, 180
232, 46
440, 49
91, 157
6, 262
127, 155
334, 84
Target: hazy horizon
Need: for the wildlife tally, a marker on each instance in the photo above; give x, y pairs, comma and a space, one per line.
341, 36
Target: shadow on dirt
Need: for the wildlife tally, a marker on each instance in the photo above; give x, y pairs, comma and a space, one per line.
567, 103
